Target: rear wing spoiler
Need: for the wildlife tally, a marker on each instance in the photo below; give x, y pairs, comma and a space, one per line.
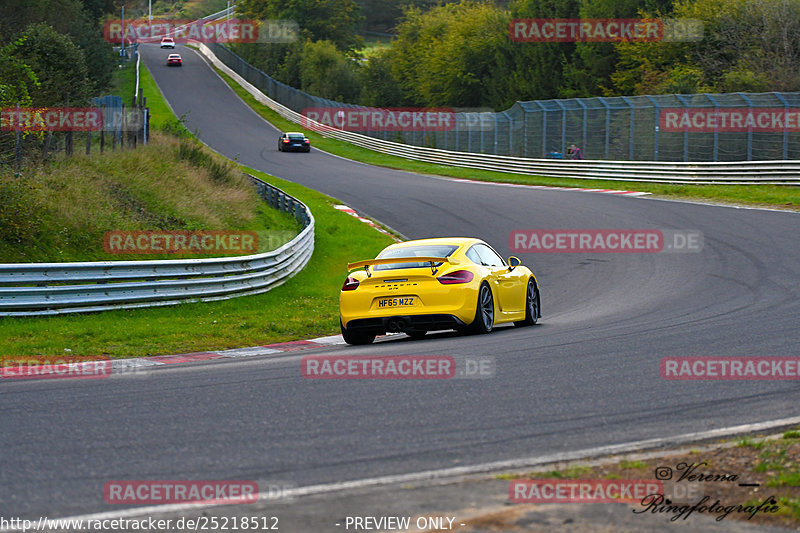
392, 260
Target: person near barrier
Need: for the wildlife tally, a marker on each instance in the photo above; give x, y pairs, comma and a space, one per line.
574, 152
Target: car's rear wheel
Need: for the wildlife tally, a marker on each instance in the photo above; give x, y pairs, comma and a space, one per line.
532, 311
484, 313
356, 337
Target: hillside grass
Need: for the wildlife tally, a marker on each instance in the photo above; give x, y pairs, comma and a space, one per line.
61, 211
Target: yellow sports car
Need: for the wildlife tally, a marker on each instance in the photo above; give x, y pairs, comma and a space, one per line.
434, 284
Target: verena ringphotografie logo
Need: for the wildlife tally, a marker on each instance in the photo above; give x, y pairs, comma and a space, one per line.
396, 367
604, 30
51, 119
54, 367
730, 119
126, 492
181, 242
605, 241
376, 119
730, 368
582, 490
183, 30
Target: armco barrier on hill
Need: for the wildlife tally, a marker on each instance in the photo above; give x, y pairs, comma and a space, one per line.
54, 288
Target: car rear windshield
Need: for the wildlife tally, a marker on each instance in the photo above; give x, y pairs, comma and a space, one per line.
296, 136
430, 250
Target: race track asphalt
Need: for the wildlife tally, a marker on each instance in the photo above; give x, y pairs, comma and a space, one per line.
587, 376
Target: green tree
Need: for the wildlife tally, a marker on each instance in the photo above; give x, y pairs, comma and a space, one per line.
538, 72
454, 55
277, 60
328, 73
384, 15
333, 20
16, 78
68, 17
59, 66
379, 87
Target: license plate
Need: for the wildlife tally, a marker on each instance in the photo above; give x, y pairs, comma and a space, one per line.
400, 301
295, 144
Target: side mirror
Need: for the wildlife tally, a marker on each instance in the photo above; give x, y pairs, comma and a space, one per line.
513, 262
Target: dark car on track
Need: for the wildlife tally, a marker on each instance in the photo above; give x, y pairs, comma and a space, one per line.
293, 142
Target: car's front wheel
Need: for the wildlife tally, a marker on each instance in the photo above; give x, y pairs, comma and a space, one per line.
532, 309
484, 313
356, 338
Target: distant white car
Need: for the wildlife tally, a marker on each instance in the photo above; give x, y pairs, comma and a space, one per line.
167, 42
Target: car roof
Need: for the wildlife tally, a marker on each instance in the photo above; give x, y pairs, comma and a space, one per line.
174, 55
295, 133
452, 241
166, 38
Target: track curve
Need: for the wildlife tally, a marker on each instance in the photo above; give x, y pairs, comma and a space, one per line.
587, 376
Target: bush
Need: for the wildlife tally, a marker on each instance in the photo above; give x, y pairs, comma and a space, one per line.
20, 213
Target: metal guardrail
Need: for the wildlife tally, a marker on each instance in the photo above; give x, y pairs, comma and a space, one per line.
28, 289
732, 173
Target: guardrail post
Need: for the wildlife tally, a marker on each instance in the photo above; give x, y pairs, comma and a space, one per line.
749, 128
686, 131
657, 127
510, 133
469, 135
608, 123
544, 131
780, 97
631, 134
583, 127
563, 128
716, 125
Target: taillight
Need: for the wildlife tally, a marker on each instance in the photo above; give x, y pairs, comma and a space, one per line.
286, 140
459, 276
350, 284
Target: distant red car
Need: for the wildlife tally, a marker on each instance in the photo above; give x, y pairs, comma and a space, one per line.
174, 60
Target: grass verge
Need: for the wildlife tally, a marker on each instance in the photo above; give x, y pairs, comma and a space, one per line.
774, 196
769, 467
